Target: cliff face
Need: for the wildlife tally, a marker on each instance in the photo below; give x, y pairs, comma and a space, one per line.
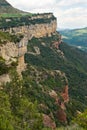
41, 30
9, 52
35, 30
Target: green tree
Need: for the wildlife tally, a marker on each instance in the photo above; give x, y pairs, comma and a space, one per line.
29, 117
25, 112
81, 119
14, 90
6, 118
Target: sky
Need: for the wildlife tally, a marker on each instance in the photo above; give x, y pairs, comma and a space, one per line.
69, 13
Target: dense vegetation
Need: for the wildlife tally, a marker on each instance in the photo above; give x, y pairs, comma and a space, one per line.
16, 109
32, 94
3, 67
69, 60
82, 119
22, 20
76, 37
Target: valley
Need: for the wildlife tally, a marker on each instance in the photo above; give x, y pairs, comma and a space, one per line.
76, 37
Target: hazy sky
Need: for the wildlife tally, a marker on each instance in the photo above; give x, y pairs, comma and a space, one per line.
69, 13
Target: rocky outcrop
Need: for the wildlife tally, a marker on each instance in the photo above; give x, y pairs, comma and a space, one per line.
36, 30
65, 94
9, 52
48, 122
42, 25
41, 30
21, 65
37, 51
4, 79
56, 44
61, 114
37, 26
54, 95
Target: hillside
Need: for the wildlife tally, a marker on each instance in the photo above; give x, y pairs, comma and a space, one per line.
45, 57
52, 69
43, 80
67, 59
7, 10
76, 37
5, 7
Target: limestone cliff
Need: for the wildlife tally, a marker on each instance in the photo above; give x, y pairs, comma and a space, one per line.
50, 83
36, 26
11, 55
9, 52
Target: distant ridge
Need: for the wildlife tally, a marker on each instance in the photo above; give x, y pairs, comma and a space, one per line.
5, 7
76, 37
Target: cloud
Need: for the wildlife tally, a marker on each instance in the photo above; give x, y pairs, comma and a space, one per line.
72, 18
34, 4
70, 13
70, 2
74, 23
